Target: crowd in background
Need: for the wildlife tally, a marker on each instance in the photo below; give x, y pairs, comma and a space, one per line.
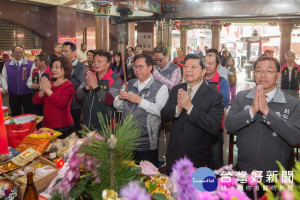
179, 105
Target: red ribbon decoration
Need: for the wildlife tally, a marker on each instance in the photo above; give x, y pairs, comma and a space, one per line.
3, 134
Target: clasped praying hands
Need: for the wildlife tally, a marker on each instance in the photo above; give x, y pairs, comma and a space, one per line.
91, 81
133, 98
183, 100
260, 103
45, 84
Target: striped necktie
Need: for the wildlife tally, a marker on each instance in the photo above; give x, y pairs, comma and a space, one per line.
189, 91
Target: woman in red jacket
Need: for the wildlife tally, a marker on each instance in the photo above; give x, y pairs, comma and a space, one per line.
57, 97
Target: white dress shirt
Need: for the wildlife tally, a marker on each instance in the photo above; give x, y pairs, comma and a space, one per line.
152, 108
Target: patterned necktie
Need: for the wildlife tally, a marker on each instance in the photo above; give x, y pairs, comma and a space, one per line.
189, 91
17, 63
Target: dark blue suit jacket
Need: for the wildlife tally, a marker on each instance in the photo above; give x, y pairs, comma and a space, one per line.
193, 135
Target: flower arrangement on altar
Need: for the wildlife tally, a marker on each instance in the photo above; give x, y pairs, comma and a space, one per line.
100, 166
98, 162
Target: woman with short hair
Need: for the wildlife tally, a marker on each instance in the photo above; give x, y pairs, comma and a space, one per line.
57, 97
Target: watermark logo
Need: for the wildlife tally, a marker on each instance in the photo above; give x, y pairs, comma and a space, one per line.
204, 179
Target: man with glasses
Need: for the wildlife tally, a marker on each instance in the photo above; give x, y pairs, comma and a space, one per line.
144, 99
16, 82
265, 120
196, 112
170, 75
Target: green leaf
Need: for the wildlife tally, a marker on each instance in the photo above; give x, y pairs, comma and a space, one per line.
126, 134
159, 196
77, 191
152, 186
58, 196
58, 180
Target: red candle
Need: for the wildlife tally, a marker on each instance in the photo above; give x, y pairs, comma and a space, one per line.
3, 134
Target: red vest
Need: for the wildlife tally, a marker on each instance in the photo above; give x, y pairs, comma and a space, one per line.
215, 83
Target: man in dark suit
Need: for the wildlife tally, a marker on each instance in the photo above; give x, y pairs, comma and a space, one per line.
196, 112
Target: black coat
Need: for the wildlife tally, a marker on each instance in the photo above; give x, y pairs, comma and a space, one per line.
193, 135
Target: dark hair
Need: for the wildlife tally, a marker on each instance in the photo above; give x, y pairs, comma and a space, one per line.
103, 53
42, 57
90, 51
264, 58
56, 43
216, 56
14, 47
227, 59
131, 48
195, 57
148, 59
161, 49
71, 44
115, 63
215, 51
66, 65
140, 46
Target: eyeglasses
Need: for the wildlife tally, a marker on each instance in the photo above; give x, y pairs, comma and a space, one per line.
268, 72
140, 67
159, 59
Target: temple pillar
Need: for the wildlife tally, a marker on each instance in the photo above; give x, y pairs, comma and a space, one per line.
159, 25
215, 36
102, 14
183, 39
131, 34
286, 29
167, 33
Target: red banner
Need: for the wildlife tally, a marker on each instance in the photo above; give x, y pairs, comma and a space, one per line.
62, 39
3, 136
36, 52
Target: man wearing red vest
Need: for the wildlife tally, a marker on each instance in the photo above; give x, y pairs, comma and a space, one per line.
213, 78
41, 70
